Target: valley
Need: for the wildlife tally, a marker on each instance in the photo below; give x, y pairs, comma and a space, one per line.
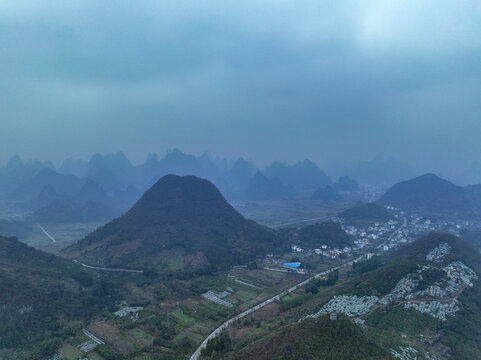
240, 180
182, 307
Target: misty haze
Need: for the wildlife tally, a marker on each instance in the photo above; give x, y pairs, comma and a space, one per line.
240, 180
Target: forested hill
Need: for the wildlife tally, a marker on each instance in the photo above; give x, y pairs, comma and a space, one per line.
43, 298
318, 339
183, 217
433, 194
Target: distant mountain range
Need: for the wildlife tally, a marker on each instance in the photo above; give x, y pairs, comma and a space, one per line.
304, 175
58, 212
46, 180
180, 223
262, 188
430, 193
345, 183
105, 179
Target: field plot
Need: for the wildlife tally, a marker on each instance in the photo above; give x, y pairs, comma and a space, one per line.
289, 213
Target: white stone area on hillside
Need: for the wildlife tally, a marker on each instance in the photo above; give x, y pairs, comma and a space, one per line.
351, 306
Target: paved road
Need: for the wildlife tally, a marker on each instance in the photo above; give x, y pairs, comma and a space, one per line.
46, 233
405, 222
107, 269
229, 322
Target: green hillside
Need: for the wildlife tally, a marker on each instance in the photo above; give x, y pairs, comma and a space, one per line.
430, 193
318, 339
181, 219
43, 299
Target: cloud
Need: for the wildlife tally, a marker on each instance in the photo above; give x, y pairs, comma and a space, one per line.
268, 80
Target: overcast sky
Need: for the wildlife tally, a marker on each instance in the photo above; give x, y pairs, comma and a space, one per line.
264, 79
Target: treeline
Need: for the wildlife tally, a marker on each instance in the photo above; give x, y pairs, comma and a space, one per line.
216, 346
314, 285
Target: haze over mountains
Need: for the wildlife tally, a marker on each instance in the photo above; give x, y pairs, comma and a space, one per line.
182, 234
113, 183
430, 193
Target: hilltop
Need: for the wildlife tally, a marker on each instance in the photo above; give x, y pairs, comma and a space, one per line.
180, 223
433, 194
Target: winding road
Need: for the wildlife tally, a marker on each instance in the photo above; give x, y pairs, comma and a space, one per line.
232, 320
107, 269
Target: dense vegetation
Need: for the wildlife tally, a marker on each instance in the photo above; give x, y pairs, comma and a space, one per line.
183, 217
318, 339
43, 299
430, 193
215, 347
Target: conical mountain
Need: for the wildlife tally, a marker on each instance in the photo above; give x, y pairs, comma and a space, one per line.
431, 193
181, 220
